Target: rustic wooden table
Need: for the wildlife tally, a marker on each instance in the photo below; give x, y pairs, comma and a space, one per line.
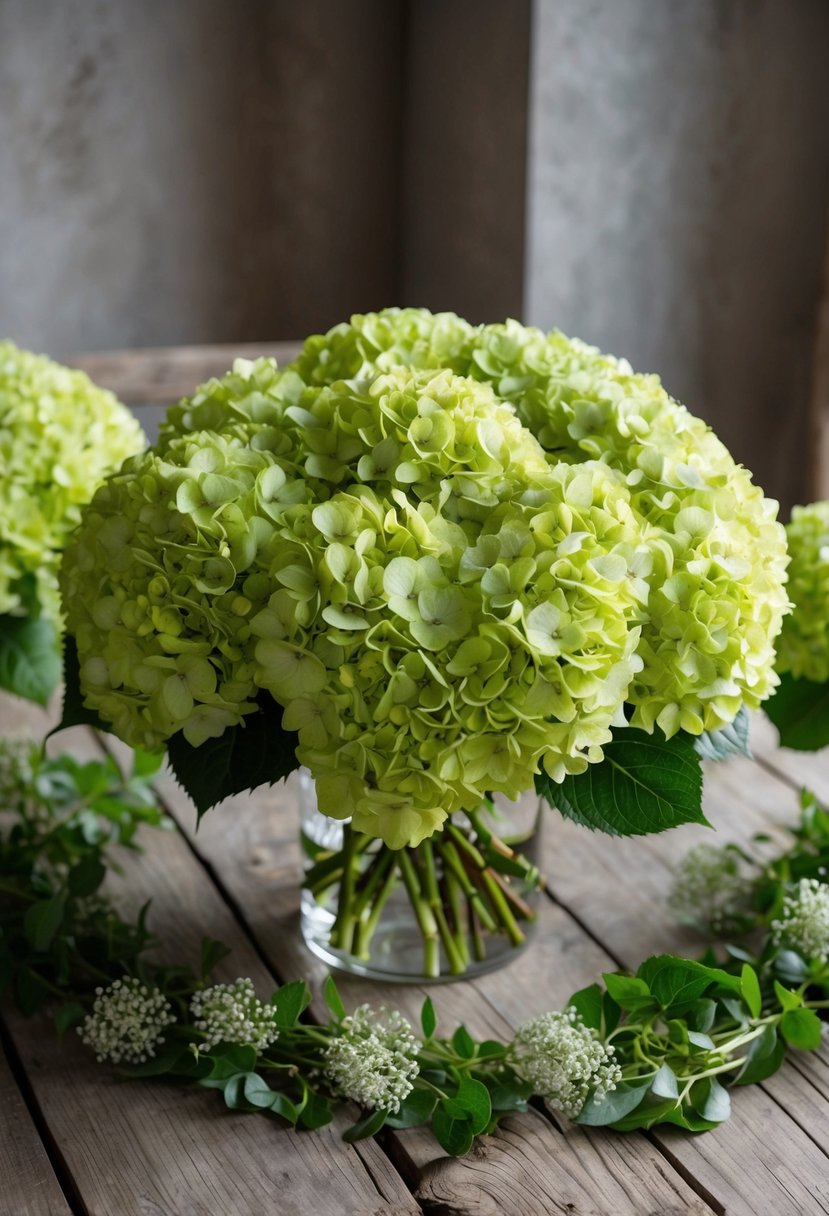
73, 1139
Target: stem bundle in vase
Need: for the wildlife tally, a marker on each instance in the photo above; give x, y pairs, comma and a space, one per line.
465, 887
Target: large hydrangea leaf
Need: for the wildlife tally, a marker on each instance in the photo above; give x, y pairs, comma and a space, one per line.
258, 752
800, 711
645, 784
29, 657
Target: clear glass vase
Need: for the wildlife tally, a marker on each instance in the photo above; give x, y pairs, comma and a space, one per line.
458, 905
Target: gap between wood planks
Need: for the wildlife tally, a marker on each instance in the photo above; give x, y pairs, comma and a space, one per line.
39, 1182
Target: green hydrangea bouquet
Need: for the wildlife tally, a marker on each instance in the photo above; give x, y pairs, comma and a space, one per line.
432, 563
59, 436
800, 706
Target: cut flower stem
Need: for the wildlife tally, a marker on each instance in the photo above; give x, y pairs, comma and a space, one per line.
465, 887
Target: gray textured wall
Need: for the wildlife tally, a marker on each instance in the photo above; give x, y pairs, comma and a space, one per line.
678, 192
193, 171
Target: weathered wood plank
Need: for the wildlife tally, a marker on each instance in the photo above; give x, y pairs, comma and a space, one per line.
161, 375
532, 1166
155, 1149
28, 1185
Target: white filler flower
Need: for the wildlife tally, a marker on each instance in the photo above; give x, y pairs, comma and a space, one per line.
804, 920
232, 1013
564, 1060
127, 1022
711, 886
373, 1060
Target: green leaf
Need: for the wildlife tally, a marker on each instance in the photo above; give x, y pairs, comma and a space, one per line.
455, 1136
763, 1058
701, 1015
463, 1043
750, 990
801, 1028
428, 1019
788, 999
716, 1106
628, 991
332, 998
290, 1000
233, 1060
68, 1016
615, 1105
677, 982
644, 784
29, 657
664, 1083
42, 921
316, 1112
472, 1102
74, 712
257, 752
369, 1125
212, 952
587, 1002
731, 740
510, 1094
146, 765
800, 711
415, 1110
86, 877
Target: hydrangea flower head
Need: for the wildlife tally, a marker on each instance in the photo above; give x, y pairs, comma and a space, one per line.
452, 554
127, 1022
717, 556
232, 1013
394, 560
564, 1060
803, 648
59, 436
373, 1059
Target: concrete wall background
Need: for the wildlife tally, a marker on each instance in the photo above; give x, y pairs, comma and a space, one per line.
679, 155
200, 171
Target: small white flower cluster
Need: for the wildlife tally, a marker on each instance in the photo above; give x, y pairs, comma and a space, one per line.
564, 1060
711, 886
804, 920
127, 1022
232, 1013
374, 1059
16, 755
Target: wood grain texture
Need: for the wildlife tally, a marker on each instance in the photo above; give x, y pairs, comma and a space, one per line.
156, 1150
160, 376
251, 844
28, 1185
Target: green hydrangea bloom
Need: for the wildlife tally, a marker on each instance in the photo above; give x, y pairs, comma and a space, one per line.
394, 560
717, 556
59, 436
803, 648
